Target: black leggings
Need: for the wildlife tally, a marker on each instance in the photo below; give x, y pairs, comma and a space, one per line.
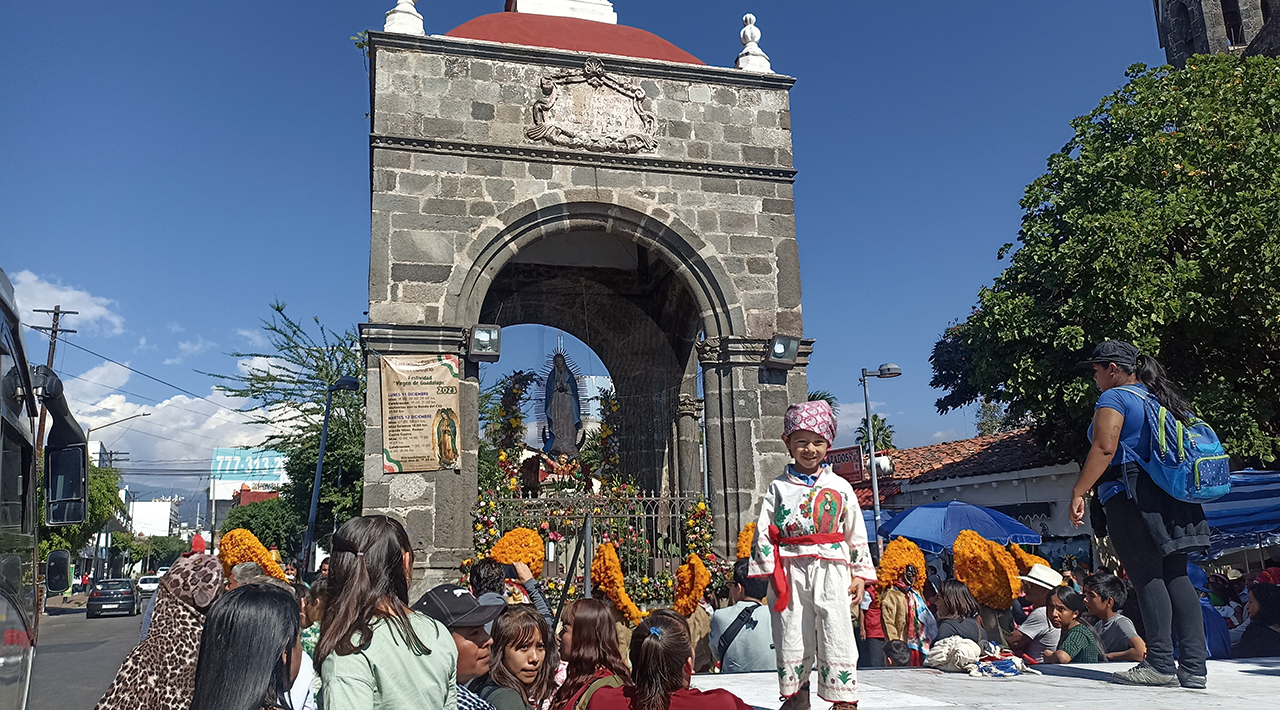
1168, 601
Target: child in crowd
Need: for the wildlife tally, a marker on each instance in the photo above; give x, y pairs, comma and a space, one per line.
249, 651
897, 653
812, 543
1078, 644
521, 674
1103, 594
589, 647
958, 613
661, 666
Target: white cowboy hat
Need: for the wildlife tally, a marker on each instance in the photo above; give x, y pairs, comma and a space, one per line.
1042, 576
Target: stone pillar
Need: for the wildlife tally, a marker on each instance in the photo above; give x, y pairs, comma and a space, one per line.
689, 444
745, 403
434, 506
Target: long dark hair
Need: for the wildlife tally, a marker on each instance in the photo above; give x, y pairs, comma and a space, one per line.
366, 582
242, 665
595, 645
955, 601
517, 626
1151, 373
1268, 596
658, 659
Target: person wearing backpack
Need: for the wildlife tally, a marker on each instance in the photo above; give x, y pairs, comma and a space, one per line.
1150, 529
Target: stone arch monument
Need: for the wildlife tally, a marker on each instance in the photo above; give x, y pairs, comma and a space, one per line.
593, 178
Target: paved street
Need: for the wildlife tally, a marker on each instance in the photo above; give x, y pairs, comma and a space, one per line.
77, 658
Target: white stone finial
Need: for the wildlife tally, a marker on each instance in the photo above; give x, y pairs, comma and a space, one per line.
752, 57
594, 10
404, 19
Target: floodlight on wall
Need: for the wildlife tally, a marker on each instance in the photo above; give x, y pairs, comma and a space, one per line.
783, 351
485, 344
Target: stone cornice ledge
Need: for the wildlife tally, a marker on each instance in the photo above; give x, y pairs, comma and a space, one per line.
564, 157
546, 56
739, 351
391, 339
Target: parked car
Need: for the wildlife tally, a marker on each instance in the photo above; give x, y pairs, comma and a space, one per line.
148, 585
161, 572
113, 596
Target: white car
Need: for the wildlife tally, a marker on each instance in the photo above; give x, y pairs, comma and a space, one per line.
149, 584
160, 572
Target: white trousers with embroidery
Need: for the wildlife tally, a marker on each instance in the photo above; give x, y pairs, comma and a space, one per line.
816, 625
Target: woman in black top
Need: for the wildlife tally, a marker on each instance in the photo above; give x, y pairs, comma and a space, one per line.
1262, 638
958, 613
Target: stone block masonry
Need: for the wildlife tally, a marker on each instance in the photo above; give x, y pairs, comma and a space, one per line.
508, 182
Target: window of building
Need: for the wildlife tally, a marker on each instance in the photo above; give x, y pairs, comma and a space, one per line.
1234, 21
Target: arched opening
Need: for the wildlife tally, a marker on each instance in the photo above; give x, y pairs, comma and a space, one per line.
630, 310
1234, 22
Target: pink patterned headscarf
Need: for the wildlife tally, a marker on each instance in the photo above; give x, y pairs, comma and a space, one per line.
816, 417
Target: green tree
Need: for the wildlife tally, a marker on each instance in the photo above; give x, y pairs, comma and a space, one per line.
994, 418
883, 433
826, 396
272, 521
1158, 223
286, 386
103, 505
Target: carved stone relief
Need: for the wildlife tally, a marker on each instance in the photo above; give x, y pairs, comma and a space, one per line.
589, 108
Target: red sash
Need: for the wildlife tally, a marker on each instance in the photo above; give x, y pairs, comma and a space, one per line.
780, 582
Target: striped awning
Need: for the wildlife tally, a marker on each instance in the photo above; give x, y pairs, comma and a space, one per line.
1252, 506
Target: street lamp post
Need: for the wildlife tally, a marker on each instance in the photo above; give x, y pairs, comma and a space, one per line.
348, 383
885, 371
118, 421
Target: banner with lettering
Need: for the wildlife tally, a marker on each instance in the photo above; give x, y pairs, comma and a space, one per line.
420, 424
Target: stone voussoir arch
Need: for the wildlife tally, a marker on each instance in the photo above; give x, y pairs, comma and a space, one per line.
657, 230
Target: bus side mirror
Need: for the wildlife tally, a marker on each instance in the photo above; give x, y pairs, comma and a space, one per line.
57, 576
65, 484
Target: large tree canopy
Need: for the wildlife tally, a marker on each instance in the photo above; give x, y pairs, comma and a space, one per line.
1159, 224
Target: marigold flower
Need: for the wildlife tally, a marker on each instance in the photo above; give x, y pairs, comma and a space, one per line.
899, 553
987, 569
1025, 559
521, 545
606, 573
240, 545
745, 539
692, 579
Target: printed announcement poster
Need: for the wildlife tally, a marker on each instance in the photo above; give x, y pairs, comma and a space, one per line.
420, 412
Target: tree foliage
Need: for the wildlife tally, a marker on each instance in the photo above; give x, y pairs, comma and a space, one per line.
272, 521
883, 433
1159, 224
286, 384
103, 504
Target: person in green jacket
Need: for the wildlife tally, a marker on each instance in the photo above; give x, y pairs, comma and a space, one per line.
375, 652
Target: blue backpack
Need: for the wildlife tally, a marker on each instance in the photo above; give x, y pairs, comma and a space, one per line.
1186, 460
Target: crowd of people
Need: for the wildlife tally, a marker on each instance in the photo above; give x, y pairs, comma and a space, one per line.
243, 633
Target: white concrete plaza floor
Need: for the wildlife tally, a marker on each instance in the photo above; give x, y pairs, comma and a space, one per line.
1239, 685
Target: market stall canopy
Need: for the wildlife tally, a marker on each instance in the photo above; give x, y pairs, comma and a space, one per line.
1252, 506
934, 527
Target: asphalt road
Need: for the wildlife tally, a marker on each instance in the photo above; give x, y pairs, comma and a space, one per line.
77, 658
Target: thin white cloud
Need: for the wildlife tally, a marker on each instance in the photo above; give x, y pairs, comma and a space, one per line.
941, 436
190, 348
255, 337
143, 346
174, 327
95, 313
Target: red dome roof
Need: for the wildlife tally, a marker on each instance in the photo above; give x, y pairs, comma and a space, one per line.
572, 34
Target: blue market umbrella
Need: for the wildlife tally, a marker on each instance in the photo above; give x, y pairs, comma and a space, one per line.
934, 527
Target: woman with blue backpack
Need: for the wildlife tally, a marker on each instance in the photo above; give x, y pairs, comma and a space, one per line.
1147, 470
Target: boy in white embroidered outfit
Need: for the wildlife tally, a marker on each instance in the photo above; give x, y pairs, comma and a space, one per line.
812, 544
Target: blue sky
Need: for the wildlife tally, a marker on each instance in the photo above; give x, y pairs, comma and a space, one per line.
172, 168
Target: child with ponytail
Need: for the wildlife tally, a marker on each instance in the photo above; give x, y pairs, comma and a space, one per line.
661, 666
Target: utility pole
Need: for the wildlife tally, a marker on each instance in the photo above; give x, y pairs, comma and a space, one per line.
52, 332
109, 458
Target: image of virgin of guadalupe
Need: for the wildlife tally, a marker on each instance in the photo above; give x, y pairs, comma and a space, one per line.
445, 437
562, 409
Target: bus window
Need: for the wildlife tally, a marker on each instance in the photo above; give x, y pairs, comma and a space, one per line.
13, 483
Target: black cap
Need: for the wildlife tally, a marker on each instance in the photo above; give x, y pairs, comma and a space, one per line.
453, 606
1117, 351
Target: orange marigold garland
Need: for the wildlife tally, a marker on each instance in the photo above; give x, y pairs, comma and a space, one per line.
746, 539
1025, 559
521, 545
692, 579
899, 553
987, 569
240, 545
606, 573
